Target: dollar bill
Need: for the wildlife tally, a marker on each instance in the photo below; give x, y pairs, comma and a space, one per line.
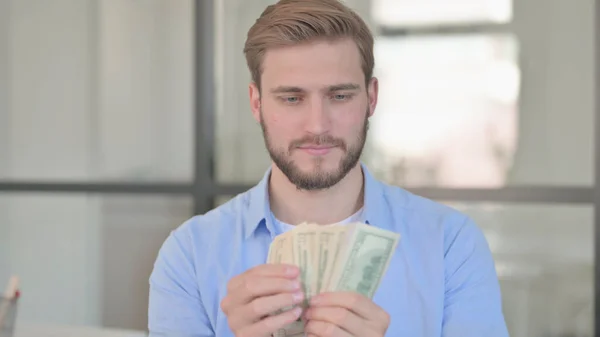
328, 247
304, 243
364, 261
282, 251
275, 250
292, 330
302, 250
352, 257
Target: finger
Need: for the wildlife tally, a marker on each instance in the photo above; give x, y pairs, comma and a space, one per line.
270, 324
355, 302
266, 270
255, 287
321, 328
263, 306
343, 318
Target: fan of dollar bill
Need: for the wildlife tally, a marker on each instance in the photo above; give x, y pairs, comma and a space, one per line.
352, 257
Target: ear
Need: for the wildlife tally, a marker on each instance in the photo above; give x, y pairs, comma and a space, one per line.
372, 93
254, 100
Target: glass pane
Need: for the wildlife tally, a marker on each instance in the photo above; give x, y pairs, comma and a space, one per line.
85, 260
240, 153
541, 250
4, 71
435, 12
467, 135
459, 111
110, 98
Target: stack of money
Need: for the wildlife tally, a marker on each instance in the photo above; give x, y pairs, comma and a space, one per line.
352, 257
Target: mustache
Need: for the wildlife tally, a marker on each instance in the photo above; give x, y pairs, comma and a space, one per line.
320, 140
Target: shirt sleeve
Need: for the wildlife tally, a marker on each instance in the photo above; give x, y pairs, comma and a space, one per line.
473, 304
175, 306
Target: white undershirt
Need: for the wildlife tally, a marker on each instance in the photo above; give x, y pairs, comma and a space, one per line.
356, 217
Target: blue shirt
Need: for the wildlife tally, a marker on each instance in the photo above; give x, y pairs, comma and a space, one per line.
441, 280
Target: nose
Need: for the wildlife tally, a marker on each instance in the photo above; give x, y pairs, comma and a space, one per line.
318, 117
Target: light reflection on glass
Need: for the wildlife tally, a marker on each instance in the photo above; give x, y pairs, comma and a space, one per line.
447, 111
544, 256
433, 12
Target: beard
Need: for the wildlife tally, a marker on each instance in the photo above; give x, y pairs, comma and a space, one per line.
319, 178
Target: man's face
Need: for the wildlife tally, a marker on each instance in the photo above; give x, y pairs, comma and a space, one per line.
313, 107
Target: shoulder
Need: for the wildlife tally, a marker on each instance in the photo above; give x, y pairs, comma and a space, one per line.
419, 213
204, 234
415, 207
224, 219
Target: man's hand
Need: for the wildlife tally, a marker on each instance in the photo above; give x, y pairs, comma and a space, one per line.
345, 314
258, 292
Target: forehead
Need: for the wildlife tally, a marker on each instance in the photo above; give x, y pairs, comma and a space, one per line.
313, 65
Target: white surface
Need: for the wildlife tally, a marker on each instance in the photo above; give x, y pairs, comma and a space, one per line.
113, 75
38, 330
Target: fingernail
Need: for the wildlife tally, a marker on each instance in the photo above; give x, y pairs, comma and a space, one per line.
298, 296
297, 311
291, 271
295, 285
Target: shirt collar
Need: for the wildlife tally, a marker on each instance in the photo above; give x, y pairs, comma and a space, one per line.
376, 212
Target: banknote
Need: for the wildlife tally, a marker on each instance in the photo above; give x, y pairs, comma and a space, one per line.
352, 257
329, 239
304, 240
281, 251
364, 261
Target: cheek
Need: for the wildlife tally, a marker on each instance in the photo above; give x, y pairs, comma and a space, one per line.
280, 130
282, 126
348, 125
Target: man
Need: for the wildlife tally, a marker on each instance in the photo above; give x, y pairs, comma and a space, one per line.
313, 93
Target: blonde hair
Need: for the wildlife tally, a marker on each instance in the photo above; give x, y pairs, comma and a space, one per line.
291, 22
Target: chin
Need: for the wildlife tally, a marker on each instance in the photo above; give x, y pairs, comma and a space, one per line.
329, 161
323, 167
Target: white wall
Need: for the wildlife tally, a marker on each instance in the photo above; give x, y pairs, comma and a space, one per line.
4, 23
47, 128
4, 85
97, 90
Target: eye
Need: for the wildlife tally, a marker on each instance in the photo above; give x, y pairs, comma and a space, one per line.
290, 99
342, 97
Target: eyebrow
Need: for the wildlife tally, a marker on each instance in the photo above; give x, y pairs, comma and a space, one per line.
285, 89
331, 88
343, 86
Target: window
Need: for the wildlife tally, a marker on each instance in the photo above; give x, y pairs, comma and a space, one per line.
447, 112
439, 12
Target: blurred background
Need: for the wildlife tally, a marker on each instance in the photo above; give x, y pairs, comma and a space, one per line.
120, 119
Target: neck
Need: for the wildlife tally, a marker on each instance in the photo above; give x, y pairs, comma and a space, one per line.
328, 206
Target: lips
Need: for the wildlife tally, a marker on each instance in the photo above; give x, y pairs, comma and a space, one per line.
317, 150
317, 145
